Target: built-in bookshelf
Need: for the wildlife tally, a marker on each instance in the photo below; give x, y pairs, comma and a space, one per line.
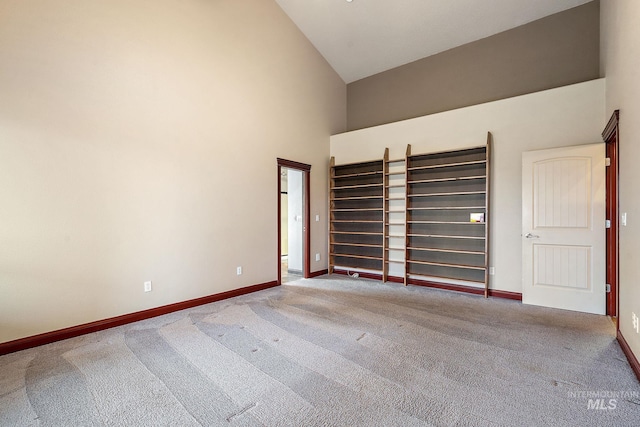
357, 219
421, 218
447, 227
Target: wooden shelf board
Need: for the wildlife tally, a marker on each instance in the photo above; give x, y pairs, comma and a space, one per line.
357, 256
462, 178
402, 160
447, 165
445, 208
357, 221
394, 261
415, 276
357, 209
395, 186
394, 211
359, 233
445, 236
442, 264
350, 187
395, 198
453, 193
395, 236
354, 175
445, 222
342, 267
395, 173
359, 245
394, 223
452, 251
356, 198
398, 248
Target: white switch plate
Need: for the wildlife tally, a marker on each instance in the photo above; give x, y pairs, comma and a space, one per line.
623, 219
239, 271
317, 218
147, 286
317, 257
492, 271
636, 322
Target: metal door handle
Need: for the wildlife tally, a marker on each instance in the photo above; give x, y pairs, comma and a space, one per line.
531, 236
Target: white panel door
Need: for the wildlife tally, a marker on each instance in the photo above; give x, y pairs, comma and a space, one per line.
563, 228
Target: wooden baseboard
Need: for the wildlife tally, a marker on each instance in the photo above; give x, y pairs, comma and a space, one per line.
633, 361
467, 289
318, 273
458, 288
74, 331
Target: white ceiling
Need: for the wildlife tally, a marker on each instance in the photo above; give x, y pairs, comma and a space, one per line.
364, 37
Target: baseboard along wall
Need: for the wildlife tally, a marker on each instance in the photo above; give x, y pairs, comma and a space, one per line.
87, 328
449, 287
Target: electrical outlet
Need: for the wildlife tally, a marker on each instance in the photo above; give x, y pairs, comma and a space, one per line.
147, 286
636, 322
492, 271
317, 257
317, 218
238, 270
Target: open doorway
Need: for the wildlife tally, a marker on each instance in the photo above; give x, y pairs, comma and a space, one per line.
293, 221
291, 224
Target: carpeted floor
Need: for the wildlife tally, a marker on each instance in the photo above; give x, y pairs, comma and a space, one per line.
332, 351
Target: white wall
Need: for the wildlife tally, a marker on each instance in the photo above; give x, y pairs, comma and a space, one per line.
122, 124
296, 220
570, 115
620, 56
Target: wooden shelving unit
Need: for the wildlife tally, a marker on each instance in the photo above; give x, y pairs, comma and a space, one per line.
357, 216
447, 226
395, 198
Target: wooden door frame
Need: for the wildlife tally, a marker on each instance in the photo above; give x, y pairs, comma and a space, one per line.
306, 173
611, 137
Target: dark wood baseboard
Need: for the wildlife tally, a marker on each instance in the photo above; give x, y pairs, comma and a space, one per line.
633, 361
467, 289
458, 288
318, 273
74, 331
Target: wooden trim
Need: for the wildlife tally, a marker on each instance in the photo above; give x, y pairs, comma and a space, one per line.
467, 289
75, 331
279, 225
307, 222
318, 273
610, 136
294, 165
612, 125
516, 296
306, 201
385, 215
332, 209
633, 360
487, 218
407, 209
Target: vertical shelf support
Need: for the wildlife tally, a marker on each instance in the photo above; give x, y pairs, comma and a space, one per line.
331, 215
385, 216
407, 215
487, 216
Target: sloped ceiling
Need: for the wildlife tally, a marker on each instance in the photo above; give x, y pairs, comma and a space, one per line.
364, 37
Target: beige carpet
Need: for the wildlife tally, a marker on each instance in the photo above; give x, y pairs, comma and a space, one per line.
331, 351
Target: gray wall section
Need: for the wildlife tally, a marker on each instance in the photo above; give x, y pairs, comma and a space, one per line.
555, 51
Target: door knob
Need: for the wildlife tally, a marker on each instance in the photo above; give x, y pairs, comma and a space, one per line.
531, 236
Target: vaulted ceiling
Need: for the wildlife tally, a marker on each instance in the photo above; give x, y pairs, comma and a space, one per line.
360, 38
